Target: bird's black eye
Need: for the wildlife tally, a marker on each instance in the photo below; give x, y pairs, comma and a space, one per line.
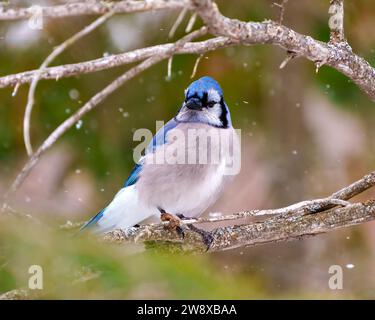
210, 104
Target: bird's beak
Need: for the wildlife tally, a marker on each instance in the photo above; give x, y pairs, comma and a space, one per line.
194, 104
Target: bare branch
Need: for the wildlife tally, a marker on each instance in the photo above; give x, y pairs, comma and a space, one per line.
169, 68
195, 68
280, 228
91, 8
268, 32
282, 7
339, 57
57, 51
191, 22
177, 23
112, 61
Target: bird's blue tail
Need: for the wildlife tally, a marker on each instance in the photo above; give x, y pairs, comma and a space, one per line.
93, 220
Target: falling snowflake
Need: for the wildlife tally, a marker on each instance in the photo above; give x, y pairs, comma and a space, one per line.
74, 94
79, 124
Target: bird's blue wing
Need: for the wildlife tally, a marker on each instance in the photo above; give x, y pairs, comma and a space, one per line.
157, 140
134, 175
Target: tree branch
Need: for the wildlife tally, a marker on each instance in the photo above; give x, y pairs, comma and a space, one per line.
276, 229
70, 70
340, 58
91, 8
332, 54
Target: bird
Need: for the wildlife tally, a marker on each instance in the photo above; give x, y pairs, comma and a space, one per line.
170, 181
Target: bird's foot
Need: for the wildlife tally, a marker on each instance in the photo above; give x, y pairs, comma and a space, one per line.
174, 223
206, 235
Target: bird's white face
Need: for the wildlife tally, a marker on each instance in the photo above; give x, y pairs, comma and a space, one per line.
204, 107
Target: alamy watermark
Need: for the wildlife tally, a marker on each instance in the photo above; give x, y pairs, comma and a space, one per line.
336, 19
336, 280
191, 146
36, 278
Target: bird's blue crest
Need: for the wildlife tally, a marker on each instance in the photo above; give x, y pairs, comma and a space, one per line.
202, 85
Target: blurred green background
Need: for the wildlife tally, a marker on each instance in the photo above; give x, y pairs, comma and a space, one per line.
304, 135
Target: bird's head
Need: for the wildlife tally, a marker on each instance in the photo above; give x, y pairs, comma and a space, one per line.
204, 103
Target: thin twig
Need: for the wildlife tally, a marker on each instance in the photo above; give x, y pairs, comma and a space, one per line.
15, 89
56, 52
191, 22
169, 68
289, 56
282, 7
195, 68
177, 23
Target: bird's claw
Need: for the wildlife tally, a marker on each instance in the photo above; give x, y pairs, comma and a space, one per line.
206, 235
174, 223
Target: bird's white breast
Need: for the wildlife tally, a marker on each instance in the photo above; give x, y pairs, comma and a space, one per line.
184, 187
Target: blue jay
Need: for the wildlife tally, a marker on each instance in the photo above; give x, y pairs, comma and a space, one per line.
173, 188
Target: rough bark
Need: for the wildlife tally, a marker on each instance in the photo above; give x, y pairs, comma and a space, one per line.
280, 228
